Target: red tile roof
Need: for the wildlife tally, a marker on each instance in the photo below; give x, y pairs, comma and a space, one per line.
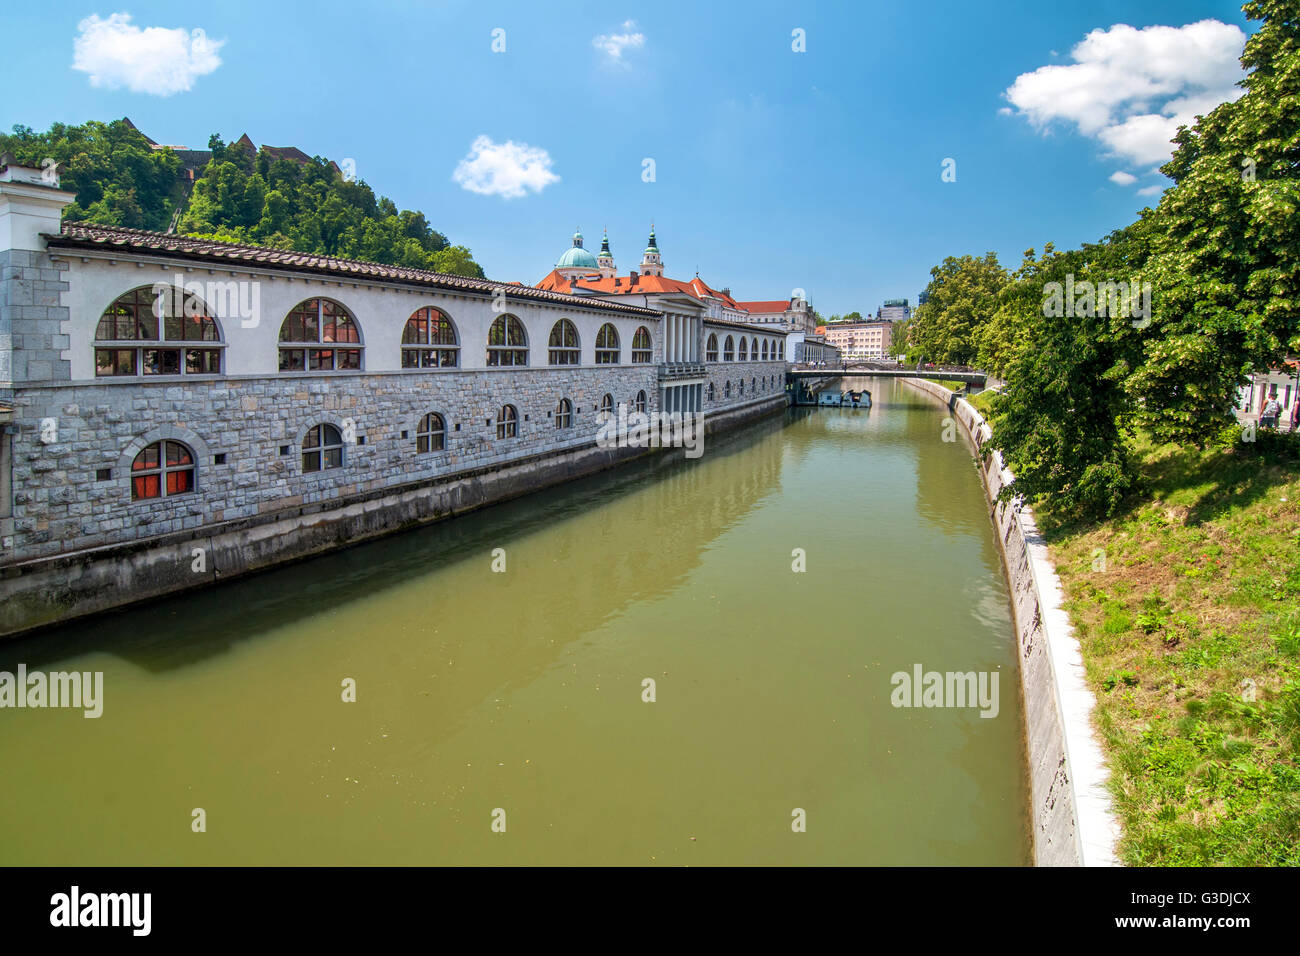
772, 305
629, 285
84, 235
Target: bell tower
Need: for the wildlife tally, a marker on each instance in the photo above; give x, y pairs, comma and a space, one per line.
651, 264
606, 258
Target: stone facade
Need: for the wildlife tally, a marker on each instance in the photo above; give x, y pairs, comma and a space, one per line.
255, 426
32, 314
761, 380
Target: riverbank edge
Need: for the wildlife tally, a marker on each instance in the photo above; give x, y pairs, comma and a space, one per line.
39, 594
1074, 822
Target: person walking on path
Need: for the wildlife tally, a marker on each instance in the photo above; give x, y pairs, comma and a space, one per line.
1270, 411
1295, 412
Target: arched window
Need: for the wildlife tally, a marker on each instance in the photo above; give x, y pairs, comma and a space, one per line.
713, 393
606, 407
781, 349
432, 434
639, 402
161, 470
726, 392
507, 422
607, 345
740, 387
753, 385
322, 448
157, 330
753, 349
744, 349
429, 340
711, 349
564, 414
764, 350
319, 335
562, 348
641, 348
507, 344
728, 350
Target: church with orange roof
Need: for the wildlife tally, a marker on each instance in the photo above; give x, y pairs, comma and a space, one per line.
689, 302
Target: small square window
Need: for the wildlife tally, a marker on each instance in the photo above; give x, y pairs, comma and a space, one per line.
403, 433
104, 474
458, 426
219, 459
284, 450
361, 439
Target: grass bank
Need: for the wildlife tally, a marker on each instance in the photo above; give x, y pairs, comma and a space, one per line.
1187, 610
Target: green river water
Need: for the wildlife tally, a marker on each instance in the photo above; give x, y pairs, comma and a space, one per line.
523, 690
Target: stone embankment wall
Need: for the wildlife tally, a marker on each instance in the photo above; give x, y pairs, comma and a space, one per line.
46, 591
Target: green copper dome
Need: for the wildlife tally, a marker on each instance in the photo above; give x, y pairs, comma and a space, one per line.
577, 257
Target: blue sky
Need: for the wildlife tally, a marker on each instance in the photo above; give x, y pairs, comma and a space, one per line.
774, 169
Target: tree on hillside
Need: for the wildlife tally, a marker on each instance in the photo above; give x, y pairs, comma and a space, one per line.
118, 178
240, 196
308, 207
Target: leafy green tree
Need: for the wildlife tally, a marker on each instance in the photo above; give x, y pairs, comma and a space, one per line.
961, 295
119, 179
1062, 420
898, 334
240, 196
1227, 253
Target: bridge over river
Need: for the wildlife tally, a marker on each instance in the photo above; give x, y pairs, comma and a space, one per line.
971, 378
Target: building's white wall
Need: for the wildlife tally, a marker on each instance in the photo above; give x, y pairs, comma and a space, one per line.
381, 313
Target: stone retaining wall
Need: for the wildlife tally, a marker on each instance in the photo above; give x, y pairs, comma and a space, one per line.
45, 591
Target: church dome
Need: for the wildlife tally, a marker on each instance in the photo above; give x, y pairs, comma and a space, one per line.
577, 257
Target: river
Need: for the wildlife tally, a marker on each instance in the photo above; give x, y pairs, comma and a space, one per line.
515, 699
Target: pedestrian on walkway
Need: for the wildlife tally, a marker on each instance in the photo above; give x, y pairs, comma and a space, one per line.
1270, 411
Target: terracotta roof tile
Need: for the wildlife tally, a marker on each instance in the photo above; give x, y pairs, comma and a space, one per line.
84, 235
769, 305
624, 285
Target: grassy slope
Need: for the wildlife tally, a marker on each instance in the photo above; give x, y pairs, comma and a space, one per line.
1187, 610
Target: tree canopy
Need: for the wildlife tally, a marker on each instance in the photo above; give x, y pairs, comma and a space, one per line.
1160, 324
240, 196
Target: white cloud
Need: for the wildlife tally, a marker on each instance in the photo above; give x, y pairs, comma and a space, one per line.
506, 169
154, 60
1121, 178
1132, 88
1150, 190
613, 44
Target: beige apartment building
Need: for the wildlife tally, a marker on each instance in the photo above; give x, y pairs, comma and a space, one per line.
860, 341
